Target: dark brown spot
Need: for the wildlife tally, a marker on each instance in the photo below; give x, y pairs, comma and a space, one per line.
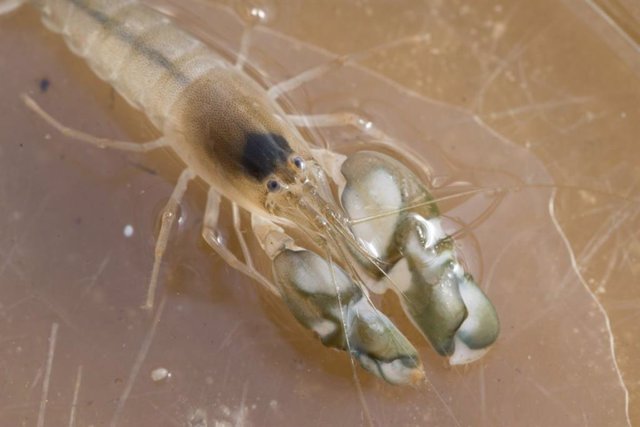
263, 153
44, 85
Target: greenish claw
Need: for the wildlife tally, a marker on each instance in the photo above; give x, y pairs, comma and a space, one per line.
324, 299
432, 297
410, 246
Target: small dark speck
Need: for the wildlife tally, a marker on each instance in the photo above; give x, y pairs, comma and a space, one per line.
78, 220
44, 85
21, 145
143, 168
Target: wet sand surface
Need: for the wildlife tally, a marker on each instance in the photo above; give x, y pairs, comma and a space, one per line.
539, 99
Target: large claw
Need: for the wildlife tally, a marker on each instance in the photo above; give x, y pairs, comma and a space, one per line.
377, 184
431, 296
323, 298
405, 235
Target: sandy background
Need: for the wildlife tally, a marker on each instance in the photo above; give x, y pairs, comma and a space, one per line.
539, 98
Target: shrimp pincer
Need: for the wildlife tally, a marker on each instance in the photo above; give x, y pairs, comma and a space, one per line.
335, 227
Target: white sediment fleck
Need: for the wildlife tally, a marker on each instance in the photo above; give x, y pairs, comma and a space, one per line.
160, 374
128, 230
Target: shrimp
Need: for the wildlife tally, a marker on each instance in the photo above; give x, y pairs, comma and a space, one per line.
335, 227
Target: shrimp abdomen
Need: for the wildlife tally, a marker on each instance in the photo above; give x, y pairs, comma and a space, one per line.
136, 49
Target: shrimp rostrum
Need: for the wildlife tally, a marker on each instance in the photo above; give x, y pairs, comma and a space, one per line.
335, 227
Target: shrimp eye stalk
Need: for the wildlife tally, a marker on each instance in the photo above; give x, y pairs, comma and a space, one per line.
273, 186
298, 162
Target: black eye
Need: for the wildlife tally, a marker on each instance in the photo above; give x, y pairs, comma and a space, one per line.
273, 185
298, 162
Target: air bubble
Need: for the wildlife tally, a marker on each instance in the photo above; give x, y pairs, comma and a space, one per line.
259, 14
365, 124
255, 12
216, 237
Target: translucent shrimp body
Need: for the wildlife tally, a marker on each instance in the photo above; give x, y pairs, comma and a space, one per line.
231, 132
205, 107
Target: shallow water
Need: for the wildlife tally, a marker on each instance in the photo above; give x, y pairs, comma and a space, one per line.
539, 98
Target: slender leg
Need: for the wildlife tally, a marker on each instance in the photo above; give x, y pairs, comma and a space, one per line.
252, 16
243, 243
168, 218
212, 236
338, 120
361, 123
275, 91
245, 43
90, 139
313, 73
